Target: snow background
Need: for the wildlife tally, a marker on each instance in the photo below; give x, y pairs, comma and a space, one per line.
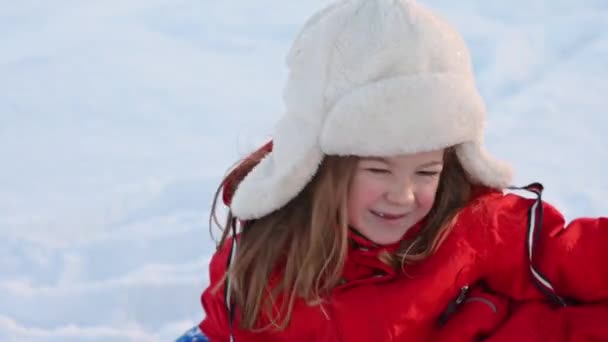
119, 118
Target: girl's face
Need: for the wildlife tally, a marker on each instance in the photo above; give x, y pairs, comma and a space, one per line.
387, 196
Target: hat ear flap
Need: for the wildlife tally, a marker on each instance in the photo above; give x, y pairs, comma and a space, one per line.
234, 178
481, 167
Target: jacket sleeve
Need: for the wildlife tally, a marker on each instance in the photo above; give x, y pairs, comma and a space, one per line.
574, 256
534, 321
215, 324
570, 257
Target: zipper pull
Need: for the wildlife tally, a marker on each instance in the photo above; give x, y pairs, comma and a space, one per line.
463, 295
453, 305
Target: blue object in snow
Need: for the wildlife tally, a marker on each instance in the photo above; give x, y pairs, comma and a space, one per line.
193, 335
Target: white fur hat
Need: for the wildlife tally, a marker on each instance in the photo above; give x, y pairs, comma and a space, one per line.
371, 78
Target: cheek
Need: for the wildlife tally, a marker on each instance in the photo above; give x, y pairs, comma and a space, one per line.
426, 197
363, 193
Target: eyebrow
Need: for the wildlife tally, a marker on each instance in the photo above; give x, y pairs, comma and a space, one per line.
433, 163
379, 159
384, 160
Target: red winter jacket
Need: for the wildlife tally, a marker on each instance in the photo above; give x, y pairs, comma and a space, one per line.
485, 252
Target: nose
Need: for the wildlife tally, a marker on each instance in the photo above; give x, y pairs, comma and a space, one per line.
401, 194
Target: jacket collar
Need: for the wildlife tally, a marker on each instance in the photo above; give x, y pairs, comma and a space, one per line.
363, 263
358, 240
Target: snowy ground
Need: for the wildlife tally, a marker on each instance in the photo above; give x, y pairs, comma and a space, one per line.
118, 118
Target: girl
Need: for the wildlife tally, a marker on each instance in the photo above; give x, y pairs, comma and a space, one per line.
376, 214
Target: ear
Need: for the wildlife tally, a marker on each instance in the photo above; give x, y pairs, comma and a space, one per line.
234, 178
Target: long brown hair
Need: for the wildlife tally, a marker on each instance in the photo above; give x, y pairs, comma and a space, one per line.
299, 250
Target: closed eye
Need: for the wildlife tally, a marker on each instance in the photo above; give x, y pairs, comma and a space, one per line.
429, 173
377, 170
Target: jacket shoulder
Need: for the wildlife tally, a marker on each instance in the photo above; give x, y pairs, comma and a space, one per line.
219, 261
489, 203
494, 218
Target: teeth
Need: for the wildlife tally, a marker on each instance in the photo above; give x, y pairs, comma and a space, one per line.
384, 215
381, 214
378, 213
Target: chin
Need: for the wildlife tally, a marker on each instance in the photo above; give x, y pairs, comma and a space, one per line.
385, 240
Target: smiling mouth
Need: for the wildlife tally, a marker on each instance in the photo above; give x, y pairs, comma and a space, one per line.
387, 216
